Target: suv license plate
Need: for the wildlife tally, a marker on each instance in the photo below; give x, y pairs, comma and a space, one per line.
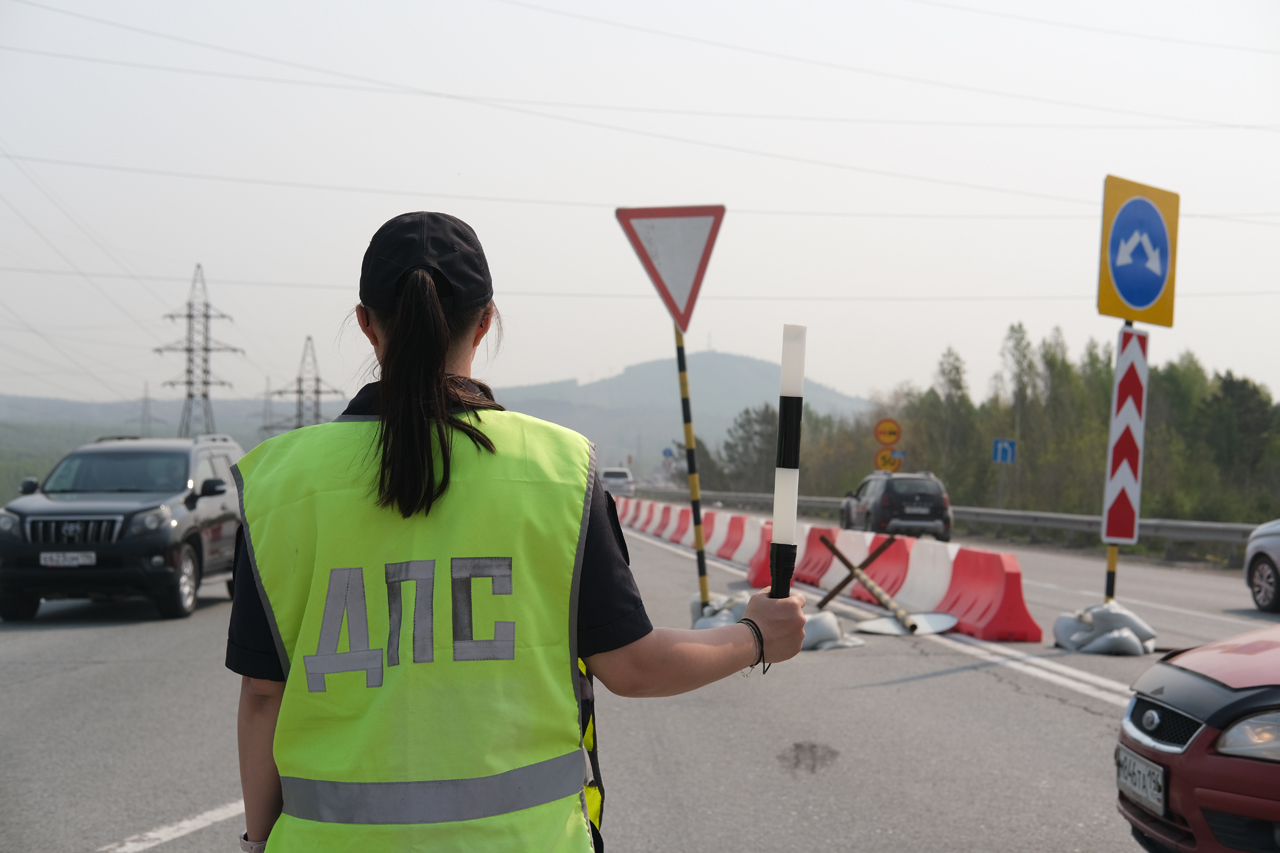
68, 558
916, 510
1140, 780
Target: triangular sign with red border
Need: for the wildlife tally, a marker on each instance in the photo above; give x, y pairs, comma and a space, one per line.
674, 245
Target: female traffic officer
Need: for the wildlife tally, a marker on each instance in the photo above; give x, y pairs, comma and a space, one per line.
425, 588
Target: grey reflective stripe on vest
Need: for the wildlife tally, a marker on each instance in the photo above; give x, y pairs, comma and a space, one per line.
465, 645
435, 802
345, 595
423, 572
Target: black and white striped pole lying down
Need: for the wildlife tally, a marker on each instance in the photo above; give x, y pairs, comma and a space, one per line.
786, 478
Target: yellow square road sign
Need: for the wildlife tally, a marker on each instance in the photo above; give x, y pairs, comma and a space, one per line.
1139, 250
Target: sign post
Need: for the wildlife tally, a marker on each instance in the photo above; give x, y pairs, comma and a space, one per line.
1122, 497
674, 245
1135, 283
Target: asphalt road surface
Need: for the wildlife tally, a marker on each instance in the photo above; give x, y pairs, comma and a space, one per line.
117, 729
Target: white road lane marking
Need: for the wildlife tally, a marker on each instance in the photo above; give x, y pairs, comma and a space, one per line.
147, 840
1053, 666
1234, 620
1096, 687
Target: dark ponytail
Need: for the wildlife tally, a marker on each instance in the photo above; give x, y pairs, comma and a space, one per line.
418, 401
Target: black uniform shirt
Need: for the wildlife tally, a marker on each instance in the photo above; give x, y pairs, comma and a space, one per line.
610, 612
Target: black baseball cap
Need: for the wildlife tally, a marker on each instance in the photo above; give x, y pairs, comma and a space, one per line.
438, 242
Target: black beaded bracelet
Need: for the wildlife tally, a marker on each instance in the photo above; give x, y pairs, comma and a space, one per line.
759, 638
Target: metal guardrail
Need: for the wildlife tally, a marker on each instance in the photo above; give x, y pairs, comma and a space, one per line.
1159, 528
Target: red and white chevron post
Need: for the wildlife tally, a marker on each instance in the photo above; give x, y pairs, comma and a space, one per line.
1122, 498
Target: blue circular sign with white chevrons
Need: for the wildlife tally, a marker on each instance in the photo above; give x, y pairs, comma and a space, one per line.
1138, 253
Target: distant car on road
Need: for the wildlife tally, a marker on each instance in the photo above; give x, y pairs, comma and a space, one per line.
119, 517
1198, 763
618, 482
1261, 558
910, 504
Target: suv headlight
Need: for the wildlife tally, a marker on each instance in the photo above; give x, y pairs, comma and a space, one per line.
10, 524
149, 521
1253, 737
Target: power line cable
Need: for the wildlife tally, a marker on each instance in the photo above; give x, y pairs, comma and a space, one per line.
170, 173
58, 349
839, 66
633, 131
730, 298
346, 188
67, 260
719, 114
75, 221
1092, 29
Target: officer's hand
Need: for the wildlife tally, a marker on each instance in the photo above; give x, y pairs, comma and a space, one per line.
781, 622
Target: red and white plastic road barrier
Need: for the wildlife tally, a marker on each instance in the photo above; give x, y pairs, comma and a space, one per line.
982, 589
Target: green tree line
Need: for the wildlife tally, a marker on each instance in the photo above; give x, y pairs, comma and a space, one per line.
1212, 448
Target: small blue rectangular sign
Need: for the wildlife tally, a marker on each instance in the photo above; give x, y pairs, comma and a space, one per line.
1004, 451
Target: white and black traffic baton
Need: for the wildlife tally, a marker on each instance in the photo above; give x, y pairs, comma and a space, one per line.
786, 479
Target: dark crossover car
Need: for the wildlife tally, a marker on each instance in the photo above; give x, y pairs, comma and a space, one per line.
906, 504
122, 517
1198, 763
1261, 559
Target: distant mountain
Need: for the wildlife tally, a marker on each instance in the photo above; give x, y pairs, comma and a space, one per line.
637, 413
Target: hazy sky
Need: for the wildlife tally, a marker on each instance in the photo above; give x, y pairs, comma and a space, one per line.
944, 158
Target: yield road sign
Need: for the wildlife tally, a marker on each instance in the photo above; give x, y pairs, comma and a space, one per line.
888, 431
1139, 249
1122, 498
674, 245
1004, 451
886, 460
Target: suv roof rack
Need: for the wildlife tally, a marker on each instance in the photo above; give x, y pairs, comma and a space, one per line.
117, 438
213, 437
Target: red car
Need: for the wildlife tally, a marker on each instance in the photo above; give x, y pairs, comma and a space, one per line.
1198, 764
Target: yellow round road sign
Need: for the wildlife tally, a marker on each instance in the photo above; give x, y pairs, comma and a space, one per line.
886, 461
888, 431
1139, 250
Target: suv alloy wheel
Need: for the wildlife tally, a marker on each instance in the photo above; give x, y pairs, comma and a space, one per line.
178, 601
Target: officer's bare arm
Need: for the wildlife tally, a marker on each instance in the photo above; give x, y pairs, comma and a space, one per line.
259, 778
670, 661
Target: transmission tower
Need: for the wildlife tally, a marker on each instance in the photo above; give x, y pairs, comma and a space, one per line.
197, 412
268, 427
146, 419
308, 389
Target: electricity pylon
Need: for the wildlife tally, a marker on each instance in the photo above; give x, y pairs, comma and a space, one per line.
308, 389
197, 412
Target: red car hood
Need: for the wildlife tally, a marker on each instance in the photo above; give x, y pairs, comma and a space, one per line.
1246, 660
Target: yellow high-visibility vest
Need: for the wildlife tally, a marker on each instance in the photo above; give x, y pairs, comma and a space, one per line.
431, 694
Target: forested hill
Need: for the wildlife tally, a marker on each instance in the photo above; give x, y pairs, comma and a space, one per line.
1212, 448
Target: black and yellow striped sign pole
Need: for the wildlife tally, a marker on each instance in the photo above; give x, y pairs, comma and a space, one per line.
691, 455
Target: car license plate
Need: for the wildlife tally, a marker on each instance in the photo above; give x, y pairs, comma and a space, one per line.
916, 510
68, 558
1140, 780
